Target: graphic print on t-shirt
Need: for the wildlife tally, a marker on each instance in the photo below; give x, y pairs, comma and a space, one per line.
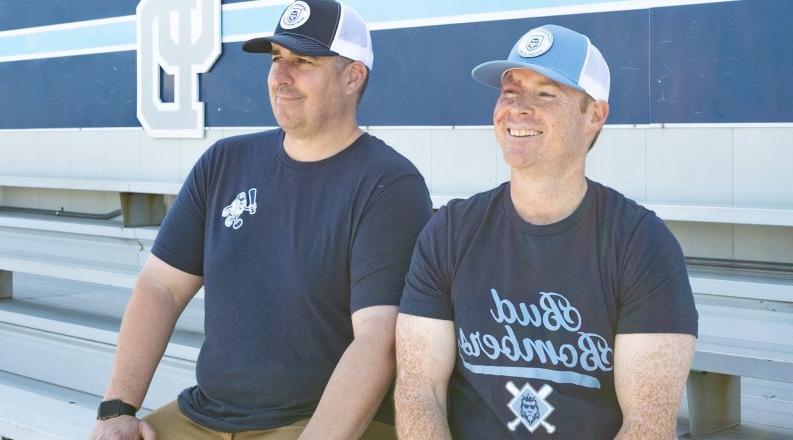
530, 407
240, 204
542, 340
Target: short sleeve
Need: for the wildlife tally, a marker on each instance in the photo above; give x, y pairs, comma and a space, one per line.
180, 240
383, 241
427, 285
655, 291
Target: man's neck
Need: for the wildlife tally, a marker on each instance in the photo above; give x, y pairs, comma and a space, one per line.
317, 146
547, 199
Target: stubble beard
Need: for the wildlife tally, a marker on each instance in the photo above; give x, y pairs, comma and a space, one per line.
290, 120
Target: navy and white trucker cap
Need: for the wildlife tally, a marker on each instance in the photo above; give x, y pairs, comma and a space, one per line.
558, 53
319, 28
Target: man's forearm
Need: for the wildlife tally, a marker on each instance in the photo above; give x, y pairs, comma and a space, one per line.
650, 371
147, 325
633, 429
354, 392
420, 413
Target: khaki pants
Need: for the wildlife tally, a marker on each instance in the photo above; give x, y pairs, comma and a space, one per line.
171, 424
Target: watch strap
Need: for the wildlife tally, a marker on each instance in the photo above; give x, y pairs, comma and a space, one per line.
114, 408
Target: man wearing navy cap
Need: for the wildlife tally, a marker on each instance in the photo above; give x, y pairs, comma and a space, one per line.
301, 237
551, 306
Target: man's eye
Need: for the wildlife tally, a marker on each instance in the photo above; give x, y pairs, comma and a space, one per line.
276, 59
304, 61
544, 94
509, 93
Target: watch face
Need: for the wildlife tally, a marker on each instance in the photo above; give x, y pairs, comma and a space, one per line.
114, 408
109, 409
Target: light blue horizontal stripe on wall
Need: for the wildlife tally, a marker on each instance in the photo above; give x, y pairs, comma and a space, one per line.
376, 11
251, 21
262, 19
105, 34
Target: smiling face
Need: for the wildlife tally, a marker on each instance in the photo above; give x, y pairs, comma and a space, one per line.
306, 93
542, 124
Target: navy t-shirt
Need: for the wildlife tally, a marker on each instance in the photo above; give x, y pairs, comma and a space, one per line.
536, 309
288, 251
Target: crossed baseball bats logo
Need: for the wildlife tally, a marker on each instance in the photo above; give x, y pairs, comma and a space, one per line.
540, 395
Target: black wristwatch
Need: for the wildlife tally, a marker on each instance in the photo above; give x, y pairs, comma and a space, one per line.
114, 408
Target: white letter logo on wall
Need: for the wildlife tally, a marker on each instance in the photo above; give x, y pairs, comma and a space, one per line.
183, 38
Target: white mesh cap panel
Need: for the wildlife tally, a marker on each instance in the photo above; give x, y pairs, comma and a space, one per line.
595, 77
352, 38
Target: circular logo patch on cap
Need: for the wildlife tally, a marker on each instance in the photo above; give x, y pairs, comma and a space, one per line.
295, 15
535, 43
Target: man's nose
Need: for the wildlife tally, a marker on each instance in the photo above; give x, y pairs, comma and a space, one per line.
524, 104
281, 73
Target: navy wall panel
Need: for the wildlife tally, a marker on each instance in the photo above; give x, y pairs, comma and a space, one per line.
731, 62
720, 62
235, 90
84, 91
16, 14
422, 76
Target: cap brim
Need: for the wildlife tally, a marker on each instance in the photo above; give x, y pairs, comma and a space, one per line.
295, 43
490, 73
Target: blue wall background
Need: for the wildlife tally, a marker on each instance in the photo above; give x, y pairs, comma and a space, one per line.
711, 63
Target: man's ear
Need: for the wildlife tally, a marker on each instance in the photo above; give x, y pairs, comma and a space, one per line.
600, 111
356, 74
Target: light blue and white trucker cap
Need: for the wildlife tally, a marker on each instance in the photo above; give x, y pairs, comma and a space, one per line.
561, 54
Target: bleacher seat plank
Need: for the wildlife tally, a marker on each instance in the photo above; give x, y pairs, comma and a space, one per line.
49, 355
741, 285
733, 214
54, 326
745, 337
99, 228
70, 269
132, 186
728, 356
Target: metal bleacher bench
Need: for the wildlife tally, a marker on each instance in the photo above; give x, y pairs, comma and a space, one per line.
106, 252
735, 214
71, 249
39, 402
144, 198
142, 208
744, 316
142, 202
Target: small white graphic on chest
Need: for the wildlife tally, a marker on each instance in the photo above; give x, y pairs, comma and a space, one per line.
530, 407
243, 202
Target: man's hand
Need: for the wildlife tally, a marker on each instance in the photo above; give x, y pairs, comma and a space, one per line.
123, 428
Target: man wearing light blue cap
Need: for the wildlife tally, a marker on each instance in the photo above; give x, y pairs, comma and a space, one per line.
551, 306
